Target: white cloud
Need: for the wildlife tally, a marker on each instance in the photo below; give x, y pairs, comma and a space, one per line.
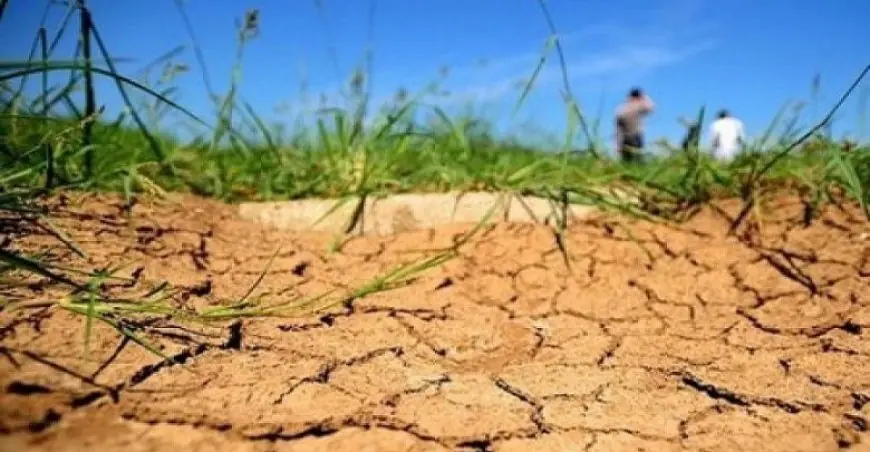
507, 76
622, 52
621, 60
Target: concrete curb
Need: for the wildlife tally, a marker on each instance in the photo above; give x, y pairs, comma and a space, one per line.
404, 212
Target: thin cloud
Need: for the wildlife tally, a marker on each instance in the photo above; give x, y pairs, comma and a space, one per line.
487, 66
494, 83
622, 52
625, 59
475, 75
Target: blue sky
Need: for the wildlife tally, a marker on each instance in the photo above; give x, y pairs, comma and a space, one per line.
750, 56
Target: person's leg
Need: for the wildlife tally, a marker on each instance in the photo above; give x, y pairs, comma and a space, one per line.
625, 151
631, 148
620, 145
690, 138
637, 147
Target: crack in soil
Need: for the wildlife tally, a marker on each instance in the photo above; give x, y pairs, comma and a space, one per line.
733, 398
177, 360
537, 416
714, 392
628, 317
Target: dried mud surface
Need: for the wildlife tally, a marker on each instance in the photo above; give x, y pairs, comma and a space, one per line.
656, 338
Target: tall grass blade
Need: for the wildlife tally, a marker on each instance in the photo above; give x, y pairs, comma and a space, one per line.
749, 202
85, 27
542, 60
566, 83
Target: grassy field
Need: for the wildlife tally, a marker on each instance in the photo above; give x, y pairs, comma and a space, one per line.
57, 140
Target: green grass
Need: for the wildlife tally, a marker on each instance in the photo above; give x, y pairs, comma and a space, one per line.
59, 140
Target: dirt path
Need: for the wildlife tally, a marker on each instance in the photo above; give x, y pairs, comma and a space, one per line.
673, 340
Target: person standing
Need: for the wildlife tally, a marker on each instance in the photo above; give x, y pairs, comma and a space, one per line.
693, 132
727, 136
629, 125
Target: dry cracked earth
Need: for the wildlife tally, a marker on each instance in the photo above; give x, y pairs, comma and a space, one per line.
655, 338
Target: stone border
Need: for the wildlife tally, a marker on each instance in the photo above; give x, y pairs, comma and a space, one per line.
404, 212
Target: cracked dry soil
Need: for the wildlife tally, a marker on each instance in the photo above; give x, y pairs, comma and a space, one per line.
657, 338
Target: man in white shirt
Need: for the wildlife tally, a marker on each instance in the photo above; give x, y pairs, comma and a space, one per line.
727, 137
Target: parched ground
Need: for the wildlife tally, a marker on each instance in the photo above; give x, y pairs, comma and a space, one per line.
656, 339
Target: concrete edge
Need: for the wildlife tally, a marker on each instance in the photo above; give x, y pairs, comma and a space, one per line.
404, 212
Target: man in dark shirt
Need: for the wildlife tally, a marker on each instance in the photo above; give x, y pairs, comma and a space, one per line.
693, 133
629, 124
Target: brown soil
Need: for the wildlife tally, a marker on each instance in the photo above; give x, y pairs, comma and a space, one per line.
657, 338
